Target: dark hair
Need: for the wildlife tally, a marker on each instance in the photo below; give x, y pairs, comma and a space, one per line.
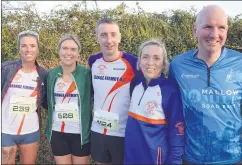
105, 20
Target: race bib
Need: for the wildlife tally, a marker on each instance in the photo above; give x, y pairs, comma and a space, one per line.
22, 105
108, 120
66, 107
66, 112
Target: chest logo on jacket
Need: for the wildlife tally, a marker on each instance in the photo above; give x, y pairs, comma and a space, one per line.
233, 77
158, 94
151, 106
189, 76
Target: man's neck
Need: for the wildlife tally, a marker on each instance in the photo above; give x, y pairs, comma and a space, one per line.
111, 57
209, 58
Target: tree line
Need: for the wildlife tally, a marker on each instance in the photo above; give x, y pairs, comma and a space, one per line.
172, 26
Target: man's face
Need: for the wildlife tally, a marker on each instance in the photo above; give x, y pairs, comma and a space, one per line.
211, 31
108, 37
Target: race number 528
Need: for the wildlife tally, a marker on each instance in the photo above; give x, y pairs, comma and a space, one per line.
66, 116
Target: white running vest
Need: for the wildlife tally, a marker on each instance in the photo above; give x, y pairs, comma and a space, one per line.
64, 119
20, 99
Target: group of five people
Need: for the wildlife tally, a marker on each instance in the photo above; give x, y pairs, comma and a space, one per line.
139, 116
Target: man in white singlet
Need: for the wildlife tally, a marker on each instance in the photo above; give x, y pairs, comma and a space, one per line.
112, 70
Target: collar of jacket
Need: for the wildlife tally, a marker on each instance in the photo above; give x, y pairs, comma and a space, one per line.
19, 62
223, 54
60, 73
153, 82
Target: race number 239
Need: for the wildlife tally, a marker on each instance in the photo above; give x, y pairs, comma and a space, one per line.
24, 109
21, 105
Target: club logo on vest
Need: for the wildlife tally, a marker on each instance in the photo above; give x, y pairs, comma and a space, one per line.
17, 78
101, 69
60, 86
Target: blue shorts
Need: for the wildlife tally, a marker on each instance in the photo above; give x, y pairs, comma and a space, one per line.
12, 140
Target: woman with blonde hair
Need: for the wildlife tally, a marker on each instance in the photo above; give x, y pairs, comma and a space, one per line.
154, 131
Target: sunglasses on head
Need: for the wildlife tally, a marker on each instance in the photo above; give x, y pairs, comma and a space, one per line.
33, 33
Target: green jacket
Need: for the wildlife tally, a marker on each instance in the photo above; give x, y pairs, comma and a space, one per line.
82, 78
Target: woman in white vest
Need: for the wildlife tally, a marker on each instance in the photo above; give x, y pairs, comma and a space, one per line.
69, 105
23, 94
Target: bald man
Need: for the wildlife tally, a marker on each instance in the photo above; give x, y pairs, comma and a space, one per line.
210, 80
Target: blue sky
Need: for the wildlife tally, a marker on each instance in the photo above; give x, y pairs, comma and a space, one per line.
232, 8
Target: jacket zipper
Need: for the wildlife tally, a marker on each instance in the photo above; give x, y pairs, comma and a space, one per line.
208, 68
159, 156
208, 73
142, 95
80, 110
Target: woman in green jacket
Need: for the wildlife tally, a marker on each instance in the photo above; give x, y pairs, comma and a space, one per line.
69, 105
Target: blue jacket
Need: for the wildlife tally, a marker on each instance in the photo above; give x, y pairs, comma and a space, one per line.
8, 71
154, 131
212, 101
